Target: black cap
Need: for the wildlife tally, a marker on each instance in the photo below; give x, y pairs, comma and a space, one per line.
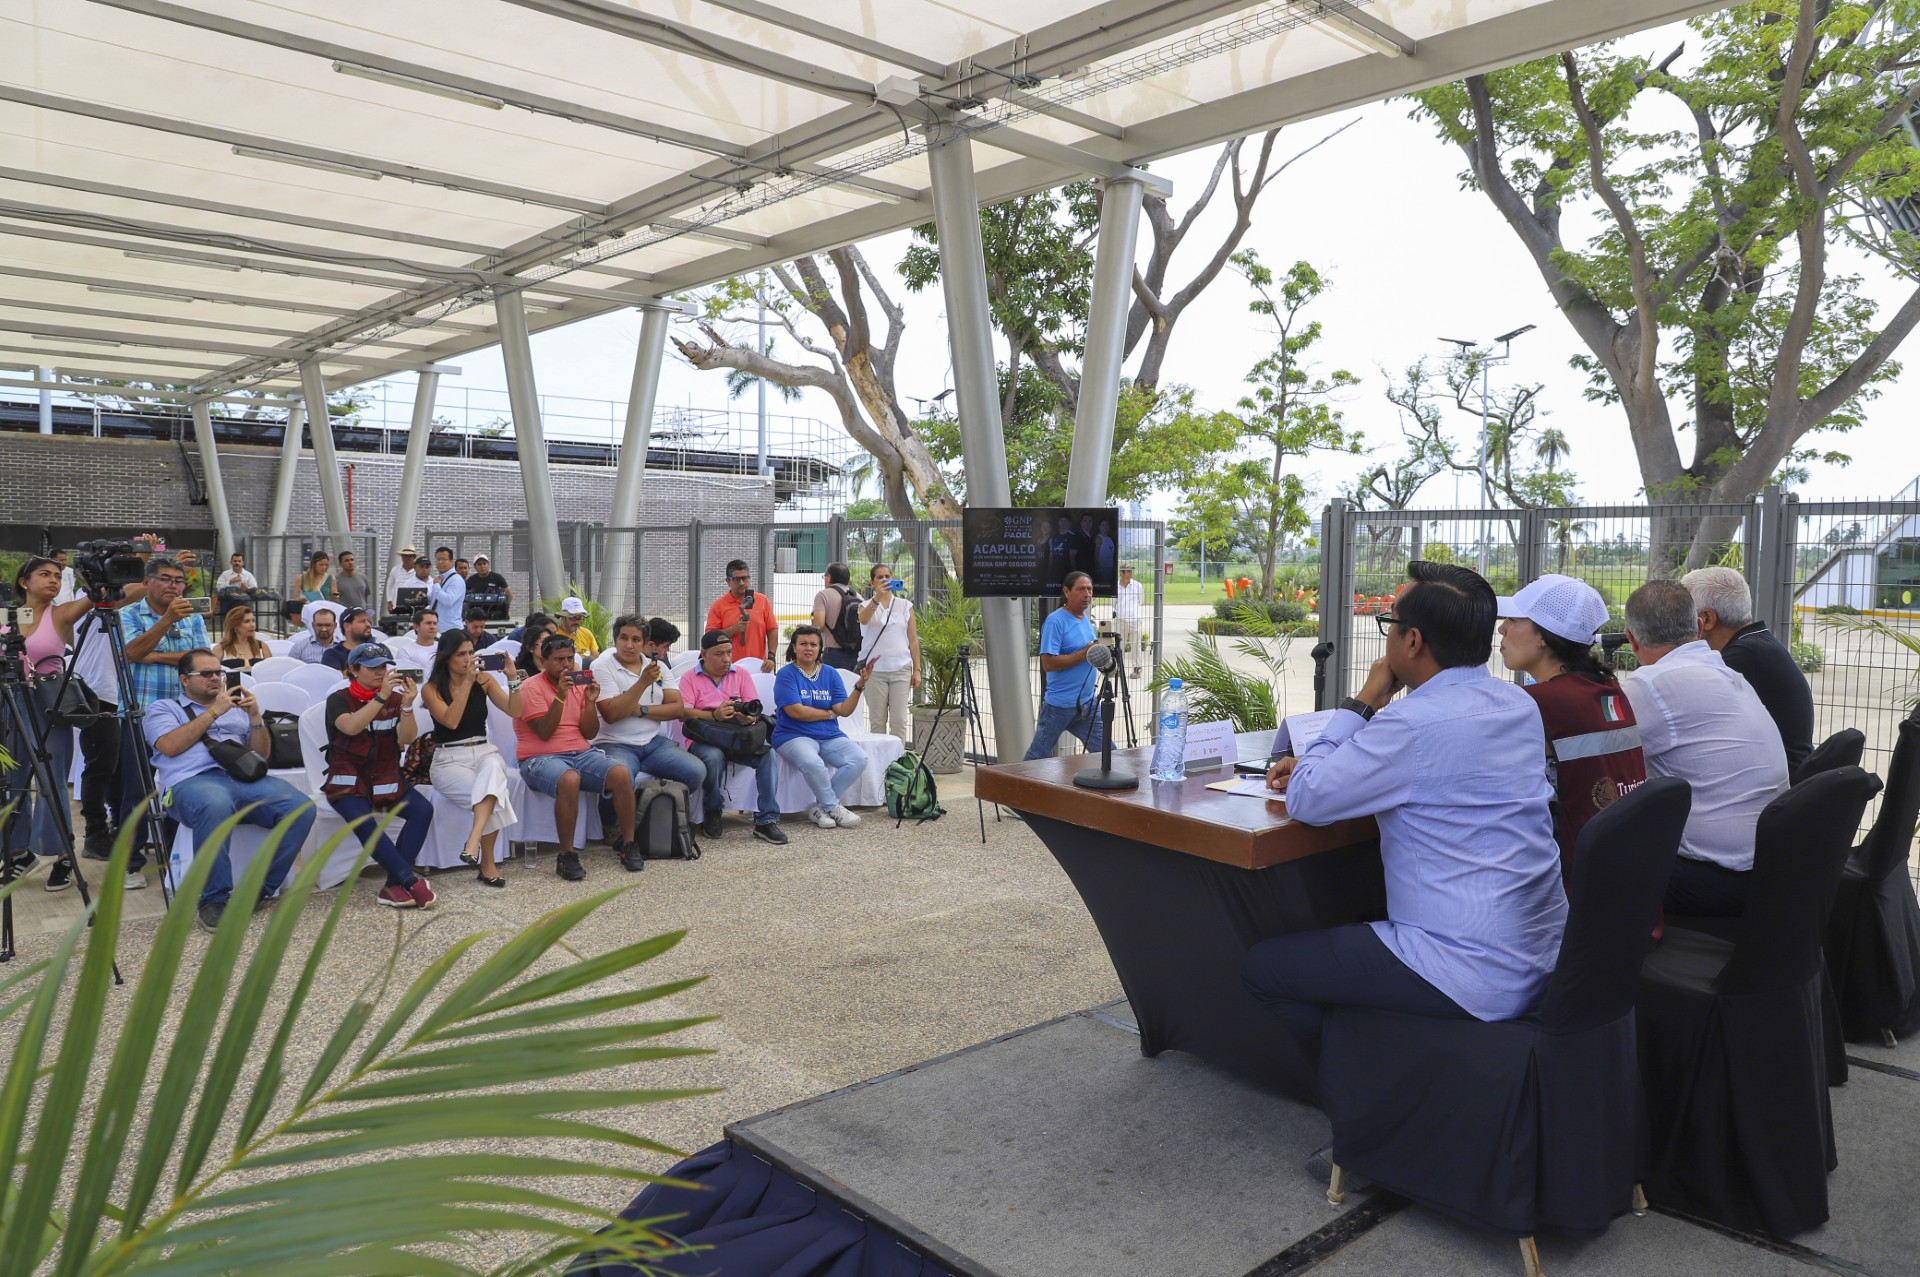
352, 612
714, 638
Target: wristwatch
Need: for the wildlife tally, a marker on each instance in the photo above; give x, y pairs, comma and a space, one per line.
1358, 706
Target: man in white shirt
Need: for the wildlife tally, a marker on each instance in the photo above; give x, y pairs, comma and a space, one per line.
639, 696
1701, 721
890, 642
406, 574
236, 576
1129, 609
422, 646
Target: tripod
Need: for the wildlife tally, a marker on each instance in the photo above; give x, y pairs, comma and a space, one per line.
1124, 686
960, 676
21, 721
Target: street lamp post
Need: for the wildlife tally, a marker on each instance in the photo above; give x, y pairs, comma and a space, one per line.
1486, 362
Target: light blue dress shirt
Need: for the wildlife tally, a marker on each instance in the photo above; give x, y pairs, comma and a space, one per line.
1455, 774
164, 716
447, 596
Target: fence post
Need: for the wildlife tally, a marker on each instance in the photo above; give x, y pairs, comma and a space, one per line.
1761, 563
922, 562
1786, 542
639, 573
837, 539
1336, 596
1533, 546
694, 615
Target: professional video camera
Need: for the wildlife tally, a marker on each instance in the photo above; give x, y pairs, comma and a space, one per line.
109, 567
1611, 643
488, 607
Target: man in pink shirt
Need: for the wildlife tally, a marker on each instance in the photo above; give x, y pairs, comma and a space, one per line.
558, 719
712, 691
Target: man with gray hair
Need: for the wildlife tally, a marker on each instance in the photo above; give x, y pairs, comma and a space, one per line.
1701, 722
1725, 607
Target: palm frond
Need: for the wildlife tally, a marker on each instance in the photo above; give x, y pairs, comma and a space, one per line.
255, 1180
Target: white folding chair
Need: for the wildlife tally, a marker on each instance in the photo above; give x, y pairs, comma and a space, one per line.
448, 836
751, 664
683, 661
275, 668
285, 698
536, 823
317, 681
279, 647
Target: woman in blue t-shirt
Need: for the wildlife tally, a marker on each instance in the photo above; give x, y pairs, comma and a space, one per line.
806, 732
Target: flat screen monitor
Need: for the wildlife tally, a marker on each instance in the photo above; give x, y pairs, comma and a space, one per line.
1028, 552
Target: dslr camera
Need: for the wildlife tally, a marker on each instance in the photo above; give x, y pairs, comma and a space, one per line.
747, 709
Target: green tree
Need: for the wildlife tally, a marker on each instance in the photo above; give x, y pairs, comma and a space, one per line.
1720, 183
1289, 411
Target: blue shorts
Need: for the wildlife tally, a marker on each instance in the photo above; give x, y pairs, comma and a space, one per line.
542, 772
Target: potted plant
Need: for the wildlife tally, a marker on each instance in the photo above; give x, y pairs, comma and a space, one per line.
949, 621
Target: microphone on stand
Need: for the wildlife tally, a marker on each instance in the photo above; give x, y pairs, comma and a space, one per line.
1320, 654
1101, 657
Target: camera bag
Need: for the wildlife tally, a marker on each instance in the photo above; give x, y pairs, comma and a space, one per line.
743, 743
662, 822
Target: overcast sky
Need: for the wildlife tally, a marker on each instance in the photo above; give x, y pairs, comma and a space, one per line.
1412, 257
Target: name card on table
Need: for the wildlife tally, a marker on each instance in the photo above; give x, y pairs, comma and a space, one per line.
1298, 731
1211, 745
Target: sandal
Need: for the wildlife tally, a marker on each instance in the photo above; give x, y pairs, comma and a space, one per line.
469, 859
497, 880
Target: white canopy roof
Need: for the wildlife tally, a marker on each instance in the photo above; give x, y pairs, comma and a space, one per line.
213, 192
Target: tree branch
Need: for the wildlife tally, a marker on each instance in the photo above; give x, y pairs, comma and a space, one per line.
1646, 318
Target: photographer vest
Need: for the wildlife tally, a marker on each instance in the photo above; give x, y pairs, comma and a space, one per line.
367, 765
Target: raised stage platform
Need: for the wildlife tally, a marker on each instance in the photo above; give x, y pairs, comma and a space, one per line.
1059, 1151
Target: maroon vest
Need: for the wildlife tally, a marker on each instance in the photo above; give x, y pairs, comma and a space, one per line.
1593, 748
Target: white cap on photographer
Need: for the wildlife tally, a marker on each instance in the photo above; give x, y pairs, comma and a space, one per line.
1563, 606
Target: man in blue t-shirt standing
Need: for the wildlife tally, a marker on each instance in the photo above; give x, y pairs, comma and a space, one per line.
1072, 684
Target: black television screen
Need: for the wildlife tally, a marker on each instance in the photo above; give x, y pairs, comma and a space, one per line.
1022, 553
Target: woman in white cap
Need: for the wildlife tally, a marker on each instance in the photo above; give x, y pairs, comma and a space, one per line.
1547, 632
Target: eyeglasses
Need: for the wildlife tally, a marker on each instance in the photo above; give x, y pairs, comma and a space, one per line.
744, 576
1386, 621
203, 674
169, 580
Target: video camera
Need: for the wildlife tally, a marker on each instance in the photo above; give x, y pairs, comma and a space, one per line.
488, 607
109, 567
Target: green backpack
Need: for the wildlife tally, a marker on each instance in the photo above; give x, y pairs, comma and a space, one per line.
910, 790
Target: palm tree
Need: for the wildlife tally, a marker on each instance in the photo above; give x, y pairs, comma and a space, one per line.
1564, 532
1552, 448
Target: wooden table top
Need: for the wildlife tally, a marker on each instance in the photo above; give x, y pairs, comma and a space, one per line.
1187, 817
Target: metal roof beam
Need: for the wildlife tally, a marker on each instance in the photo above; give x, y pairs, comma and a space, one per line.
192, 321
189, 255
537, 103
54, 358
117, 392
178, 200
158, 341
692, 42
1008, 138
852, 41
297, 150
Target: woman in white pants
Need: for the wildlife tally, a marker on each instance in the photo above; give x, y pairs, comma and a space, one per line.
890, 643
466, 766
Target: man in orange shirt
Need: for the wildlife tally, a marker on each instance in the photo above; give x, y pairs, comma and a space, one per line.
746, 616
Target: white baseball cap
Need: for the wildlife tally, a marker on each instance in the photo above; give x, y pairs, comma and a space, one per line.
572, 606
1563, 606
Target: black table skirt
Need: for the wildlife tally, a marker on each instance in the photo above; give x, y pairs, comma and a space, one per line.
1178, 926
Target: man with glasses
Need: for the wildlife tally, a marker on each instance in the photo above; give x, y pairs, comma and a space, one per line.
1455, 775
158, 629
747, 617
198, 791
1069, 703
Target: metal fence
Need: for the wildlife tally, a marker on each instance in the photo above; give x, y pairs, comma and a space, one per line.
277, 562
1838, 580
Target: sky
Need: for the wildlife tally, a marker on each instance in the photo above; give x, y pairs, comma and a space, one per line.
1412, 257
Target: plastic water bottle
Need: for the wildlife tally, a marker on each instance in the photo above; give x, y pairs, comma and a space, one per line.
1170, 749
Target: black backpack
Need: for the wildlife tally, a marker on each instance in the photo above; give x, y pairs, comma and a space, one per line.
661, 824
846, 627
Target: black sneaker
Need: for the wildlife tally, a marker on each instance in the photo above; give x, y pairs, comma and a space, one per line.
23, 864
710, 827
771, 833
60, 877
210, 913
567, 865
632, 859
97, 847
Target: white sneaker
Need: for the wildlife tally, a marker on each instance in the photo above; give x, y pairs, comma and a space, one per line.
820, 818
136, 881
844, 818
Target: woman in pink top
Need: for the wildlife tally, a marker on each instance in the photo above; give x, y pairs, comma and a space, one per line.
43, 823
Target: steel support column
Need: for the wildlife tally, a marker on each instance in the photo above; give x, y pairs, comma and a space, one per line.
289, 466
963, 281
333, 494
46, 403
210, 475
543, 522
1089, 464
616, 581
414, 472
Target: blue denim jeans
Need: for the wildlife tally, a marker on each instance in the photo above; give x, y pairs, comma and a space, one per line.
766, 775
813, 757
542, 772
43, 816
1080, 720
659, 757
202, 802
415, 810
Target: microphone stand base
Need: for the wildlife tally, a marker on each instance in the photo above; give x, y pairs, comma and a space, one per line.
1106, 778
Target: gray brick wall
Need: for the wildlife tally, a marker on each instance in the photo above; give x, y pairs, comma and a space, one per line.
67, 483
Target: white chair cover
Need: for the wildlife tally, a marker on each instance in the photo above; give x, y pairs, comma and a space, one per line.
448, 836
317, 681
285, 698
279, 646
683, 661
536, 823
276, 667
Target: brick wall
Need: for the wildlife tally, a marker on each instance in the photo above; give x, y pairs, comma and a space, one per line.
79, 488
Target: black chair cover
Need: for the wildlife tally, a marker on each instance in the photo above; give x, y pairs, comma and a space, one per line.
1842, 749
1873, 938
1528, 1124
1731, 1043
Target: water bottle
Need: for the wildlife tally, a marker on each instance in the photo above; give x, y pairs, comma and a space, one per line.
1170, 749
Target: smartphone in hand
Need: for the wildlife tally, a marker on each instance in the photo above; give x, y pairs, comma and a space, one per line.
233, 680
581, 677
493, 660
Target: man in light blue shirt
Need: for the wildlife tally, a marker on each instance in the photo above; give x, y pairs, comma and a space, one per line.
1072, 684
447, 592
1455, 774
